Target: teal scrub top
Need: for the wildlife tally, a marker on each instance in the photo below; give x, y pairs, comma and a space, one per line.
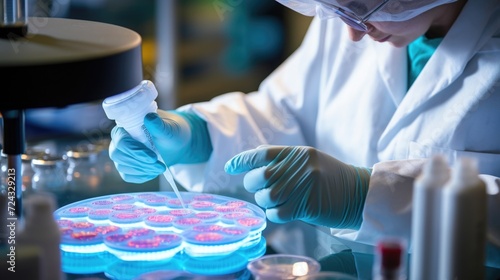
419, 52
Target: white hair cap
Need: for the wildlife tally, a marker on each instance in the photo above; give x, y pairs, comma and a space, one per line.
393, 10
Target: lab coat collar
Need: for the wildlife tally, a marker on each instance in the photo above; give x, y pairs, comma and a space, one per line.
452, 55
445, 66
392, 66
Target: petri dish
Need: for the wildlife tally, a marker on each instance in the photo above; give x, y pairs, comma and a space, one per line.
282, 266
327, 275
152, 227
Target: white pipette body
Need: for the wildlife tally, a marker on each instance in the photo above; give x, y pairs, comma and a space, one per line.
128, 110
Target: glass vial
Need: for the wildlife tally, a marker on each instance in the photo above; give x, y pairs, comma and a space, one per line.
390, 259
27, 171
84, 172
50, 174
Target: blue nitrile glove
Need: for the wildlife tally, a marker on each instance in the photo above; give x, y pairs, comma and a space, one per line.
179, 137
303, 183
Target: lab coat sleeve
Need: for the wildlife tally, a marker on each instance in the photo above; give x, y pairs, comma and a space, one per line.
388, 208
279, 112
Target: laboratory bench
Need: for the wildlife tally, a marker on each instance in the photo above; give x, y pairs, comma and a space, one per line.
296, 238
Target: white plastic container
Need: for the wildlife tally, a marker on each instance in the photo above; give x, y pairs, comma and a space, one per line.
128, 110
426, 219
40, 230
463, 239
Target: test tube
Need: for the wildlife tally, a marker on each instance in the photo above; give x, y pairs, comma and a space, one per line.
390, 259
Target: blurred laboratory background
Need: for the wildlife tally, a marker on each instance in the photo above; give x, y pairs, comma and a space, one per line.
192, 50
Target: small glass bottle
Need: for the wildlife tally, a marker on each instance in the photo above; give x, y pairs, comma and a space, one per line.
84, 171
50, 174
27, 171
41, 231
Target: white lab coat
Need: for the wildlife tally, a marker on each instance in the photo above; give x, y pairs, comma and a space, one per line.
350, 99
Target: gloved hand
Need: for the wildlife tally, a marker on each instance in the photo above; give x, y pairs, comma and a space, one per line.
179, 137
303, 183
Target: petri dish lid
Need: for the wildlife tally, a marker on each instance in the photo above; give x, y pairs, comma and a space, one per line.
283, 266
32, 153
49, 160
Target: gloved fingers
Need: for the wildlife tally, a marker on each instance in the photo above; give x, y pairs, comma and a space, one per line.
280, 191
118, 133
141, 170
156, 126
294, 208
275, 152
171, 135
265, 198
286, 199
288, 175
126, 150
133, 156
255, 179
250, 159
131, 152
136, 179
167, 125
281, 214
133, 172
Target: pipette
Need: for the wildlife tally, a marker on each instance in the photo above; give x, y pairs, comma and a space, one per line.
128, 110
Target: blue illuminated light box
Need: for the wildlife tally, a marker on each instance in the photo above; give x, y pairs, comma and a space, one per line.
135, 232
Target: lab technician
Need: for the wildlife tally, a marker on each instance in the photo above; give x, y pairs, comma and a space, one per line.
337, 134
